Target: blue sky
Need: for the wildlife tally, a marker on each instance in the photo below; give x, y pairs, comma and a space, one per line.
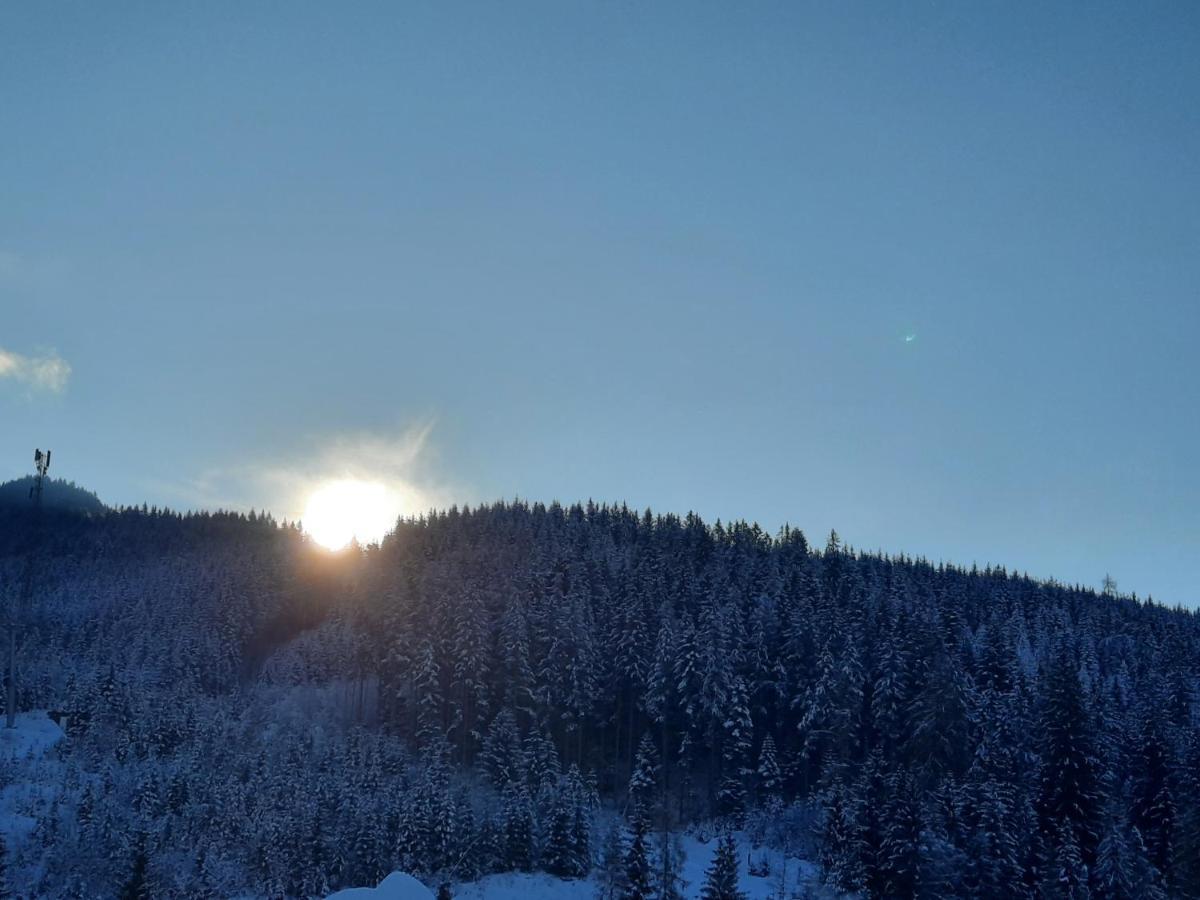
662, 253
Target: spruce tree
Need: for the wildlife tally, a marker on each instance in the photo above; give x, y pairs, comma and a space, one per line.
136, 886
1153, 810
993, 856
770, 779
518, 829
841, 847
611, 881
721, 879
643, 780
1116, 868
731, 799
560, 855
5, 884
1069, 802
1067, 876
581, 799
900, 845
1184, 874
501, 754
637, 881
669, 883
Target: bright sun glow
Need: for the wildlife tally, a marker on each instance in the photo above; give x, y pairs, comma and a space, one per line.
339, 511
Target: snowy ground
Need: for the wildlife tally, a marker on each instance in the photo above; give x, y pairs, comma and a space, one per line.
800, 879
21, 750
397, 886
513, 886
33, 734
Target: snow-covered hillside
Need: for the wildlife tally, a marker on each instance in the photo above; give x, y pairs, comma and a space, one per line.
250, 717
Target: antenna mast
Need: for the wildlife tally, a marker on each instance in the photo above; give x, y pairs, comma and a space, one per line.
41, 462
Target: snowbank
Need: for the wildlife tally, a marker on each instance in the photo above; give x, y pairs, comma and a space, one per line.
516, 886
397, 886
32, 735
23, 747
798, 876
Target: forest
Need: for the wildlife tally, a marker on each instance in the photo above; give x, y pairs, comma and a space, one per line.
543, 687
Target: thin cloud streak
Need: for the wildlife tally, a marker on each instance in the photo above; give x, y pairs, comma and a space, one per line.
48, 372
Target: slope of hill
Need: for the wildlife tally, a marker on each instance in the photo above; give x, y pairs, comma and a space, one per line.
251, 715
56, 494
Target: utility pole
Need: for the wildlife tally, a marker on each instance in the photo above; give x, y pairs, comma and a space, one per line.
41, 462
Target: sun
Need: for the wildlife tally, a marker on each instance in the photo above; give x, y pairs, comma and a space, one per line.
340, 511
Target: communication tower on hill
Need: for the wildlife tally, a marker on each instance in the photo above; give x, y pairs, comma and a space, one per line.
41, 462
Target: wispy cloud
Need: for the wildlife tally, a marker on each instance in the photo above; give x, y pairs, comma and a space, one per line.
404, 462
47, 372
